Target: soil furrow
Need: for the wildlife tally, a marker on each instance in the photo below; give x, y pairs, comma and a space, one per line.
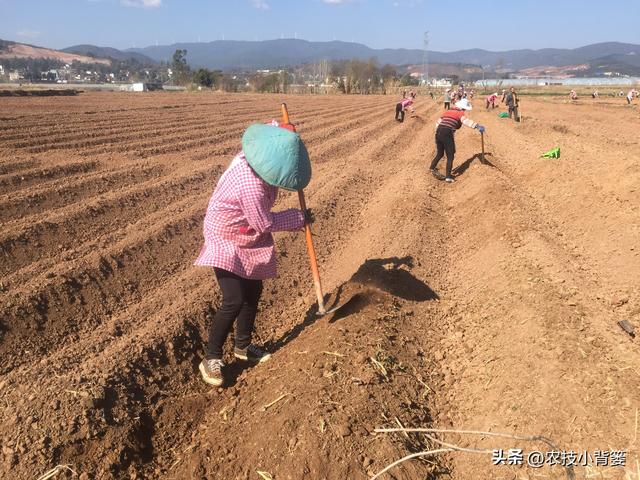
98, 135
16, 181
57, 194
27, 241
100, 128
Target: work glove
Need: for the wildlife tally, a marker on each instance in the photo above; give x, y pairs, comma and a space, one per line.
480, 128
309, 216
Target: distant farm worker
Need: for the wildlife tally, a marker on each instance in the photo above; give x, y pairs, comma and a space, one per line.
412, 97
446, 126
491, 100
238, 241
447, 99
595, 94
402, 106
504, 96
573, 95
512, 101
630, 96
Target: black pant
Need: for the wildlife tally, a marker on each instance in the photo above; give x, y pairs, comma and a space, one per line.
240, 298
513, 110
447, 105
399, 113
445, 143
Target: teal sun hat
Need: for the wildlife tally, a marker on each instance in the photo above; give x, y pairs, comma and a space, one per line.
277, 155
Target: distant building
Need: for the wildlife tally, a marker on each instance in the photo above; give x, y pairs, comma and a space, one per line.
572, 81
441, 82
50, 76
139, 87
173, 88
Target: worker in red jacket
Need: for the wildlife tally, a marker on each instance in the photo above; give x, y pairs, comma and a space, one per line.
451, 121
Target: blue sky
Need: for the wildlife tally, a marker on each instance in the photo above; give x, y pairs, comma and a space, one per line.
455, 25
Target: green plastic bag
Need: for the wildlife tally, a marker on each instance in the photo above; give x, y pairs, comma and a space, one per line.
503, 115
277, 155
555, 153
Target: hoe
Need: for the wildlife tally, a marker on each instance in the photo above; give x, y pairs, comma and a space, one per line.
307, 230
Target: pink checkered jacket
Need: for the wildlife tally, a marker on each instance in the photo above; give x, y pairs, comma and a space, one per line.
239, 222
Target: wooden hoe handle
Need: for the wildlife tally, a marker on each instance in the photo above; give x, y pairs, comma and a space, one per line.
285, 114
307, 231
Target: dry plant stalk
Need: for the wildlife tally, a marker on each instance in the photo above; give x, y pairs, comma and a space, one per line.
450, 447
323, 425
409, 457
335, 354
55, 471
269, 405
533, 438
380, 366
76, 393
401, 426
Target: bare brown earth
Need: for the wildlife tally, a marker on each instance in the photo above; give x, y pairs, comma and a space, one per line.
20, 50
489, 304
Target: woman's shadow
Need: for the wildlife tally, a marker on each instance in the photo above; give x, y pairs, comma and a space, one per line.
374, 278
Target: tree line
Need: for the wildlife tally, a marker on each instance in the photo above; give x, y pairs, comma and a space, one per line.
122, 70
347, 76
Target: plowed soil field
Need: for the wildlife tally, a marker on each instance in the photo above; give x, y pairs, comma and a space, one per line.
489, 304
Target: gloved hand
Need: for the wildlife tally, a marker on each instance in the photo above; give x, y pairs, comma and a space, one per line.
309, 217
480, 128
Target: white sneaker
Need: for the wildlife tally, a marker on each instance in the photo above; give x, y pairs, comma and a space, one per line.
211, 371
251, 354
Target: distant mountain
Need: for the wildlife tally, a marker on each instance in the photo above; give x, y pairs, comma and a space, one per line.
231, 54
622, 58
628, 59
9, 49
108, 52
520, 59
626, 64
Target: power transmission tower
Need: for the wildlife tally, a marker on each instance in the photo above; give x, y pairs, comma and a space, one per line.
425, 59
